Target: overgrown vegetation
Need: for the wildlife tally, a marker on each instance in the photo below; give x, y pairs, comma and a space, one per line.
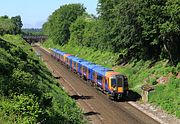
32, 31
28, 91
142, 35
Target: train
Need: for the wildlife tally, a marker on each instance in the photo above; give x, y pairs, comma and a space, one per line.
114, 84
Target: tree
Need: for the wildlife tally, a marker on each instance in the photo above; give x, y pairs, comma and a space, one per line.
59, 22
170, 30
160, 23
17, 21
6, 26
10, 26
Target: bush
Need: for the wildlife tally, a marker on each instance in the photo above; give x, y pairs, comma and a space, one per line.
28, 91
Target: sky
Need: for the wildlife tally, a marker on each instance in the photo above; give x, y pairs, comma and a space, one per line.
35, 12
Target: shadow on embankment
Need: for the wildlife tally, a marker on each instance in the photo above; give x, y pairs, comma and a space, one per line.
133, 96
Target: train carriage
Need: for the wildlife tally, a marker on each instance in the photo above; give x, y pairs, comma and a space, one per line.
112, 82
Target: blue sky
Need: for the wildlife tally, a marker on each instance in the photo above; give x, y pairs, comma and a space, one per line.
35, 12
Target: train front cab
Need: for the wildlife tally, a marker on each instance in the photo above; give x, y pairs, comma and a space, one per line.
117, 84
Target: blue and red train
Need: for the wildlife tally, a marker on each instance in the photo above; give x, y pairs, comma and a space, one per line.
109, 81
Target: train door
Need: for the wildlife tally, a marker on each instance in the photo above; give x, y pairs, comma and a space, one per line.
72, 64
64, 59
103, 83
94, 76
76, 67
106, 84
58, 57
81, 70
87, 73
69, 63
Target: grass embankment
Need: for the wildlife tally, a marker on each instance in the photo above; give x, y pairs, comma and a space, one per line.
28, 91
167, 96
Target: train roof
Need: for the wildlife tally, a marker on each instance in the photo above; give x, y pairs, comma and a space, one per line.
79, 60
101, 70
71, 57
82, 61
53, 49
95, 67
60, 52
90, 65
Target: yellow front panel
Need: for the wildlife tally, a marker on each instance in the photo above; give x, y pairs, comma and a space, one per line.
120, 89
109, 84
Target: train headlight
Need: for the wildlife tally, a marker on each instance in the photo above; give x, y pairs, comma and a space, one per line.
114, 88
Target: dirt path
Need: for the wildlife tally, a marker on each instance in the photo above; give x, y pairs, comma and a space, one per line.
98, 109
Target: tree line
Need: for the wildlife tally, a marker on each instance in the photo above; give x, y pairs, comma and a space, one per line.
136, 29
11, 25
32, 31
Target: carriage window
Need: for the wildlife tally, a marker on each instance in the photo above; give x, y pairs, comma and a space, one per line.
94, 74
84, 69
119, 81
67, 60
113, 82
88, 71
74, 64
99, 77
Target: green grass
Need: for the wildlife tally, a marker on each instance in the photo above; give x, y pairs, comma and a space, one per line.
28, 91
139, 72
167, 96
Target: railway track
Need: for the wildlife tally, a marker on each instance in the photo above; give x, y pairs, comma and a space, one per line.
98, 109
